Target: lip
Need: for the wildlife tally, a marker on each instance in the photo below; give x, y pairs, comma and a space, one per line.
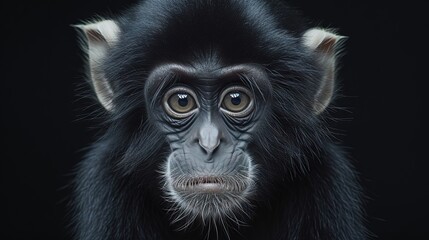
208, 188
208, 184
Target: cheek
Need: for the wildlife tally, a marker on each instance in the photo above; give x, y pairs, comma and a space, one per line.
178, 163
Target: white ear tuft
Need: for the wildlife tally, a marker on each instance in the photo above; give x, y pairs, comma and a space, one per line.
323, 43
100, 37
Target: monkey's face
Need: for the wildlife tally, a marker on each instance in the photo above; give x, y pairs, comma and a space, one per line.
234, 106
208, 117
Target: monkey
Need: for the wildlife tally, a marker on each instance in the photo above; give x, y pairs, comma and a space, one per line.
215, 126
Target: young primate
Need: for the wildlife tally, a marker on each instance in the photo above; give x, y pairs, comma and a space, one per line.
216, 127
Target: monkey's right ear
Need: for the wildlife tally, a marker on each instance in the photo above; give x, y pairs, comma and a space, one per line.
100, 37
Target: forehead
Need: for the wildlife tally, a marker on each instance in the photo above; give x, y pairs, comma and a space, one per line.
207, 77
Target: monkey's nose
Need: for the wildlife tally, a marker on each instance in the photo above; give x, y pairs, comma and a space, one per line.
209, 138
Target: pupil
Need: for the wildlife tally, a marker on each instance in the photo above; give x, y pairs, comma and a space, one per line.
235, 98
183, 100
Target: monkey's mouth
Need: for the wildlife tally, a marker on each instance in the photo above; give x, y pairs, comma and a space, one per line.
211, 184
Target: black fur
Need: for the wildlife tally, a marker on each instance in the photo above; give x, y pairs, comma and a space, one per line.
306, 188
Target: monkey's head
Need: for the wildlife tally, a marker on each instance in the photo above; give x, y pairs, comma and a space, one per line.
217, 107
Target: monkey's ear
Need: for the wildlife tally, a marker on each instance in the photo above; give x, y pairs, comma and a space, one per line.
325, 44
100, 37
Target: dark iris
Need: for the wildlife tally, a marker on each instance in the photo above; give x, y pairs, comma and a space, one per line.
183, 100
235, 98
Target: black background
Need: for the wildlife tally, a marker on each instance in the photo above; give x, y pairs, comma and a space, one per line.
43, 134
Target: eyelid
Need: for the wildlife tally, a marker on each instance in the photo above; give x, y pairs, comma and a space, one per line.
243, 113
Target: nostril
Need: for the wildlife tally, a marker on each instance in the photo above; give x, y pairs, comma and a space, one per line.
209, 148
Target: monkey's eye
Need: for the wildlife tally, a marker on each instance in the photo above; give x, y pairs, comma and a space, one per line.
180, 102
237, 101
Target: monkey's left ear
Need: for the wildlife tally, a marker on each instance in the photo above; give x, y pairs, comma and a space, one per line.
324, 44
100, 37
